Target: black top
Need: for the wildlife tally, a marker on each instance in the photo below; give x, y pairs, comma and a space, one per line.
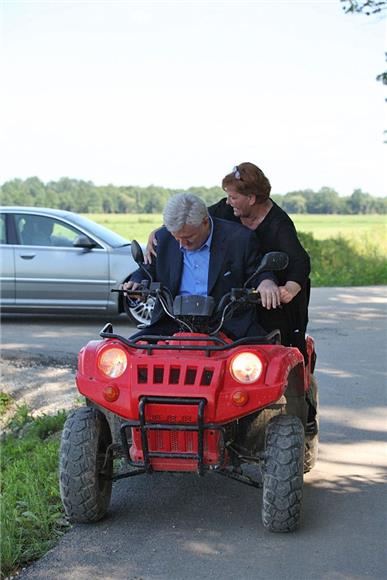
277, 233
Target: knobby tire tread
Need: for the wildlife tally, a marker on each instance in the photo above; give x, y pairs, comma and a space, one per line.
85, 494
283, 474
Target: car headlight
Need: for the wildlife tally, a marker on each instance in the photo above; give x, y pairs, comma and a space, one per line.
112, 362
246, 367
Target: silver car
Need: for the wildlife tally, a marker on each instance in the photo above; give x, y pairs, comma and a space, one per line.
54, 260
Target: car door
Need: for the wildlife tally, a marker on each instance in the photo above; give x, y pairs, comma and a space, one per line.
51, 272
7, 265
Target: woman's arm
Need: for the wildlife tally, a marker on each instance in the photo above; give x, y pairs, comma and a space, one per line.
298, 269
150, 250
289, 291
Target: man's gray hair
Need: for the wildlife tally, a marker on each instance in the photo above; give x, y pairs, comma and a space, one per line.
182, 209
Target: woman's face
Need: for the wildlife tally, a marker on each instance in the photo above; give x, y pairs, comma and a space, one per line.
241, 204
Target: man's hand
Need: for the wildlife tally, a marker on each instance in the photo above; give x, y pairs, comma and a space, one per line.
150, 250
270, 294
132, 286
289, 291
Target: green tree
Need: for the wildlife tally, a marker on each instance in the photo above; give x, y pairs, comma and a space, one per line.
364, 6
367, 7
360, 202
295, 203
326, 201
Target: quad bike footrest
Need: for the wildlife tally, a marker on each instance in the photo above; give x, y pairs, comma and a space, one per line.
200, 427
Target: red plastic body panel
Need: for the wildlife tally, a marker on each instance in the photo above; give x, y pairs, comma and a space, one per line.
185, 373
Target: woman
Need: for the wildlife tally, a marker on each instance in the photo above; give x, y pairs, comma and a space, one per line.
248, 202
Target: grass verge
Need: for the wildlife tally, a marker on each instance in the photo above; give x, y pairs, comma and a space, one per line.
32, 517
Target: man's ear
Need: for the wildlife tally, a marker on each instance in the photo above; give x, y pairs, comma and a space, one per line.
252, 199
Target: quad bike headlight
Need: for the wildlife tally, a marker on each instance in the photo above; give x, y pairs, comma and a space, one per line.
112, 362
246, 367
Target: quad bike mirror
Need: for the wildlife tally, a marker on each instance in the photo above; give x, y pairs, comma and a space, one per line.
138, 257
271, 262
137, 252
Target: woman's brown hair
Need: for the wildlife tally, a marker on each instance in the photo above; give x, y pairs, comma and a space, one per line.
247, 179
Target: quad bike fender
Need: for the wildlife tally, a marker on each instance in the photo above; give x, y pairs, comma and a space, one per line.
282, 371
293, 382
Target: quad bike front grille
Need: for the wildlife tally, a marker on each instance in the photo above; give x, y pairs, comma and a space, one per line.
172, 437
182, 375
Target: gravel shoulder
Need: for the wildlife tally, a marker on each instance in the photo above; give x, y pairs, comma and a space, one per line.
44, 389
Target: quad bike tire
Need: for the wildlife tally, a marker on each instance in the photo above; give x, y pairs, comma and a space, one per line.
283, 474
255, 435
85, 471
312, 439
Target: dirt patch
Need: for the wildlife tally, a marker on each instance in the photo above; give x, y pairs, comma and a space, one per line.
44, 389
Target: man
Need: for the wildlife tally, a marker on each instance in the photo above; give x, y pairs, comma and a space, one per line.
197, 254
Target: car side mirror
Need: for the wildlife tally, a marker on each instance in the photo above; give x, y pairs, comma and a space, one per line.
137, 252
83, 241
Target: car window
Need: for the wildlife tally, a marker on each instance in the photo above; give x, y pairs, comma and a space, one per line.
3, 239
36, 230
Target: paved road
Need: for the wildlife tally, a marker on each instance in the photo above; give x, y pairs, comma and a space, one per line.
173, 527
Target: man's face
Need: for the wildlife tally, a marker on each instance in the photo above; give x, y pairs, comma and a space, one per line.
193, 237
241, 204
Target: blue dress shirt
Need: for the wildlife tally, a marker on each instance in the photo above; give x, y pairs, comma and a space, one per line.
194, 279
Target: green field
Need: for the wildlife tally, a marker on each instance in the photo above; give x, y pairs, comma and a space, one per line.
133, 226
345, 250
348, 226
138, 226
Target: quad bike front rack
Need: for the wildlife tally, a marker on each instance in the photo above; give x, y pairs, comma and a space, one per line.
139, 468
200, 427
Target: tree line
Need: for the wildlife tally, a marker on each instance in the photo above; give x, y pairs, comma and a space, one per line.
85, 197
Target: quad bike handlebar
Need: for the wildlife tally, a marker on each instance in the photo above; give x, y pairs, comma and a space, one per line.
196, 313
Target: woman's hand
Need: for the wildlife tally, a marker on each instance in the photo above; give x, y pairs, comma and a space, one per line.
270, 294
289, 291
150, 247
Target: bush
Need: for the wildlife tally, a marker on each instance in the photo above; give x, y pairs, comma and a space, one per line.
341, 262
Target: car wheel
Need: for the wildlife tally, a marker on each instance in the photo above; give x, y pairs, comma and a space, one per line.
142, 312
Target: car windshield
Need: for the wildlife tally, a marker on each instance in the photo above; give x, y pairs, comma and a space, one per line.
106, 235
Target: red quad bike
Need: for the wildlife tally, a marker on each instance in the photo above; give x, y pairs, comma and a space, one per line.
193, 402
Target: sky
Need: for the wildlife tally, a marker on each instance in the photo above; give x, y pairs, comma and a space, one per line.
176, 93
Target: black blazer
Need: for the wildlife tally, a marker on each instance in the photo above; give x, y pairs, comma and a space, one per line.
234, 256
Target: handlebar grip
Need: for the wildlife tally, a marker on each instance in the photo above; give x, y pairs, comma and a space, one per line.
143, 291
